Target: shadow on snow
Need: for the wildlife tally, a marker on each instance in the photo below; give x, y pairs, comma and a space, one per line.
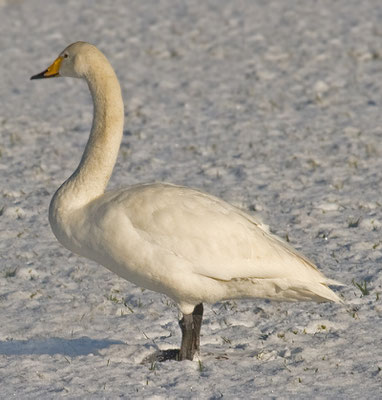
69, 347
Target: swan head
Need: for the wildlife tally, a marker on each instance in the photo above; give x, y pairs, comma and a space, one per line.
75, 61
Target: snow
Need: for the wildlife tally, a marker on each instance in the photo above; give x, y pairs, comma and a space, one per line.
271, 105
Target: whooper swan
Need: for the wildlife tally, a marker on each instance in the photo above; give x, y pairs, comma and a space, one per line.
175, 240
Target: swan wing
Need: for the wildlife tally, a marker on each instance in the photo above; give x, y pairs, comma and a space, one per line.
215, 239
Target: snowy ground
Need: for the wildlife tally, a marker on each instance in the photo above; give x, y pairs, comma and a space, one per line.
274, 106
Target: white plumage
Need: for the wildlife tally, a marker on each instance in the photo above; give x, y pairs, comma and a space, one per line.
175, 240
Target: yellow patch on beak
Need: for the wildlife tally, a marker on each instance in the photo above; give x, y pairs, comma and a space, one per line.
51, 72
54, 68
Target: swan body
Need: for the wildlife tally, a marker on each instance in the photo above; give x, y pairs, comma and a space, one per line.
175, 240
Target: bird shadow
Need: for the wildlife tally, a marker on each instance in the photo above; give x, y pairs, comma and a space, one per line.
68, 347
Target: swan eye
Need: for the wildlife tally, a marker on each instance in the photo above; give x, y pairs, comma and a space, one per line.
66, 55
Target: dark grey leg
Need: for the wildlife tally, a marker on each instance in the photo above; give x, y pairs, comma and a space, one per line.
198, 317
190, 325
186, 325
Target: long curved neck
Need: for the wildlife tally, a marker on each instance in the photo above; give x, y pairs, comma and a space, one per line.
93, 173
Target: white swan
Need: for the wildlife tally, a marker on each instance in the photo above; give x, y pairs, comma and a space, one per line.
175, 240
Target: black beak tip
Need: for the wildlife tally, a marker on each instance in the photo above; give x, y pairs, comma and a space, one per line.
39, 76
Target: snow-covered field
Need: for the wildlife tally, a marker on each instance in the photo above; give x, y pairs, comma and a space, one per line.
274, 106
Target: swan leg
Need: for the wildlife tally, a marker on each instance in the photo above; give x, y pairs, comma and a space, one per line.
190, 325
198, 318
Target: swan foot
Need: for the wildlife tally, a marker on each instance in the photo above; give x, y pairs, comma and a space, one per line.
190, 325
161, 356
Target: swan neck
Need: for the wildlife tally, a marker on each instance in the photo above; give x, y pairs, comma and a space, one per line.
96, 166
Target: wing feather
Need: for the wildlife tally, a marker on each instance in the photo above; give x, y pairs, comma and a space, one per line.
215, 238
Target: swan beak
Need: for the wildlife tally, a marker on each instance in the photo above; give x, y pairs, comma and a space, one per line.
51, 72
